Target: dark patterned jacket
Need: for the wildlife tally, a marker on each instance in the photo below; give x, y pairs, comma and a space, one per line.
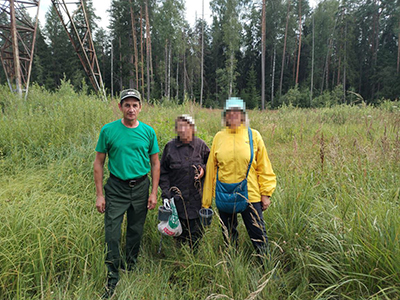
178, 168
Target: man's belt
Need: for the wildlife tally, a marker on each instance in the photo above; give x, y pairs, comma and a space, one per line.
130, 182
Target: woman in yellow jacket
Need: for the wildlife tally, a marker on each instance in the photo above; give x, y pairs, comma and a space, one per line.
230, 157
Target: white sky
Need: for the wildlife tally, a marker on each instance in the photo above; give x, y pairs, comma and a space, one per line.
101, 7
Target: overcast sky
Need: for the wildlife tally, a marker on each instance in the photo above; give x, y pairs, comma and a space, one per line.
101, 7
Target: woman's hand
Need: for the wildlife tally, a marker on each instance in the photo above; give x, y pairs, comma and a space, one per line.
265, 202
200, 173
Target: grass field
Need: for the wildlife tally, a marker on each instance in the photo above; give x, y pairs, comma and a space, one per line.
333, 226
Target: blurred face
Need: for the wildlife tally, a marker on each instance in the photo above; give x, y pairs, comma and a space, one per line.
233, 118
130, 108
185, 131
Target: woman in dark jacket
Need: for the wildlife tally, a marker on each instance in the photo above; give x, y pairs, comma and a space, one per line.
183, 166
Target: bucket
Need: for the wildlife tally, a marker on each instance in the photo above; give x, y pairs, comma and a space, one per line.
206, 216
163, 213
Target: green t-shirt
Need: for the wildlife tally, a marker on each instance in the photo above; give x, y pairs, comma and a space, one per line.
128, 149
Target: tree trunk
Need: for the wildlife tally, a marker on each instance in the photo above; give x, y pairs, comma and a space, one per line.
135, 50
166, 69
169, 73
273, 77
14, 38
374, 30
398, 52
361, 74
148, 73
263, 32
103, 58
120, 65
184, 73
294, 64
177, 79
131, 74
312, 61
284, 49
141, 50
151, 58
191, 85
373, 46
149, 54
344, 63
326, 67
377, 16
112, 70
299, 51
231, 75
341, 47
202, 54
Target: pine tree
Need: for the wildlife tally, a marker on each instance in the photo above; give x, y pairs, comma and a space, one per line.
62, 61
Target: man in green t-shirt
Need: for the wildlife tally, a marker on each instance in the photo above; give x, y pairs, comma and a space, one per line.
132, 152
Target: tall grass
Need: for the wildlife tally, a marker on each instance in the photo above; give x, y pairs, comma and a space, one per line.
333, 225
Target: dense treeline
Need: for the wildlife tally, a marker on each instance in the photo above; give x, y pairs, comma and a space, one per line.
338, 52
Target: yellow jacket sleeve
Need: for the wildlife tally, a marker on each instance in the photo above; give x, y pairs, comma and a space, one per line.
265, 174
209, 181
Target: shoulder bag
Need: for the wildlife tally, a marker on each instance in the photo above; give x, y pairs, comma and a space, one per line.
233, 197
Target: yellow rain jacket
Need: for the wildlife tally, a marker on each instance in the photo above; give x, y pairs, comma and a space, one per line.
230, 154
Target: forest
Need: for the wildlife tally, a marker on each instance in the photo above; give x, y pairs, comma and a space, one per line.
269, 53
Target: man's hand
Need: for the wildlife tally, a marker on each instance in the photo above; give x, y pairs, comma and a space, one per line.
101, 204
200, 174
155, 178
265, 202
152, 202
98, 170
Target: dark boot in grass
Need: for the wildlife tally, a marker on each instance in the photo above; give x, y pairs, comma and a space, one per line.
110, 288
127, 267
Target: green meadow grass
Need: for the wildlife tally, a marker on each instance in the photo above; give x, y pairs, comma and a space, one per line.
333, 225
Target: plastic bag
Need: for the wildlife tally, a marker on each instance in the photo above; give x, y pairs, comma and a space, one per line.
173, 226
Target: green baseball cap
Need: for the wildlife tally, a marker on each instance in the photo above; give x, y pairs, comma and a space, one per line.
130, 93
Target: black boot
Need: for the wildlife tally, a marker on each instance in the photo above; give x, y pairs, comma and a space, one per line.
110, 288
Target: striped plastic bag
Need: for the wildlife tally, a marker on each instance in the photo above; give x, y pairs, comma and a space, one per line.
173, 226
